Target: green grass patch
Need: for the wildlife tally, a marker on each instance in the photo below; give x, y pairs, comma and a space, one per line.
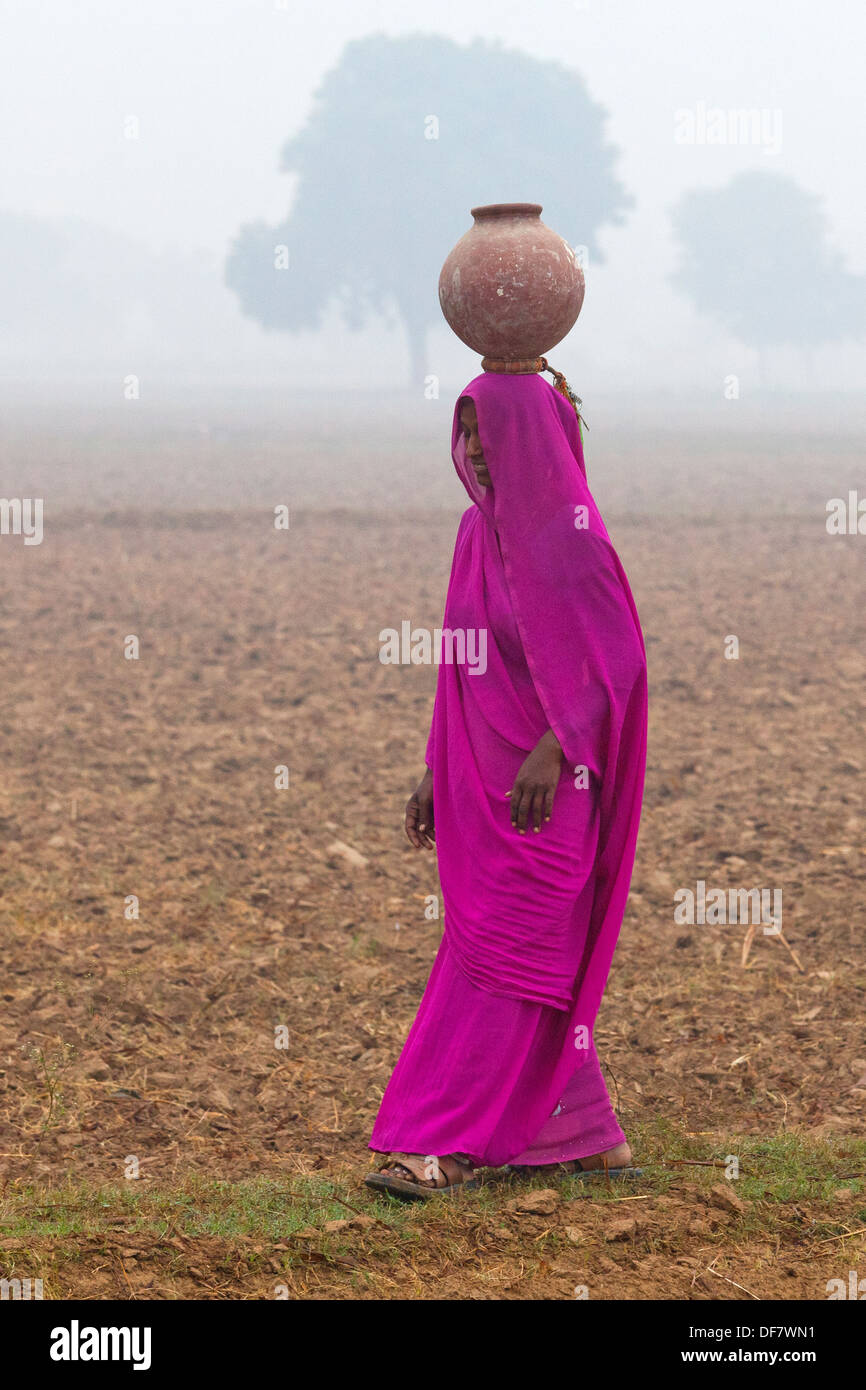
199, 1206
776, 1172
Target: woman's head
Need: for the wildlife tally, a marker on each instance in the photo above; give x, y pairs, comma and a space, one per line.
514, 440
474, 449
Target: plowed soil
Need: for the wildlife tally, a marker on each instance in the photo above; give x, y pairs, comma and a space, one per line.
167, 909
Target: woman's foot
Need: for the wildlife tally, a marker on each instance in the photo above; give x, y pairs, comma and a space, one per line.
417, 1176
617, 1157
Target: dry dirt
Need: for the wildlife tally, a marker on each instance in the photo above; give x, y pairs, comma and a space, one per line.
154, 1035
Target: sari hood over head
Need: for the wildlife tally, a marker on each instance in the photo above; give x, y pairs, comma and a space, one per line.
537, 916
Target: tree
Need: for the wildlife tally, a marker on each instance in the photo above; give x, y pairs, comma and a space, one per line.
404, 137
755, 257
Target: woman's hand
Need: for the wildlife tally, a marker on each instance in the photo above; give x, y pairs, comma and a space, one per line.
532, 793
419, 814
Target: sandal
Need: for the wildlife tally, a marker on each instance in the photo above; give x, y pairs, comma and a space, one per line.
419, 1183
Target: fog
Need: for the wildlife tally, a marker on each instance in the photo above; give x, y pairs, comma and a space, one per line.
140, 139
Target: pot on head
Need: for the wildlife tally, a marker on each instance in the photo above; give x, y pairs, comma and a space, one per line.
511, 288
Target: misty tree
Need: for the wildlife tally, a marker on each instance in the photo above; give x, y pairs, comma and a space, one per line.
406, 135
756, 257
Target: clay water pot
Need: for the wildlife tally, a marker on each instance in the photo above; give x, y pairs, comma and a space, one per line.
511, 288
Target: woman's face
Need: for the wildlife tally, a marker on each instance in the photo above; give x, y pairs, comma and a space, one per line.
474, 451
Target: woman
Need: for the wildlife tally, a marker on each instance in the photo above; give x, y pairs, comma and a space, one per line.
533, 787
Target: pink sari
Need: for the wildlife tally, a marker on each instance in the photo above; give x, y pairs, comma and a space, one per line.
502, 1045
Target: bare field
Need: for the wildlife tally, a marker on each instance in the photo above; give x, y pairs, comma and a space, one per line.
153, 1038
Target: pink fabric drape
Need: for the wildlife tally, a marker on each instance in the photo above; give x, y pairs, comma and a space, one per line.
469, 1078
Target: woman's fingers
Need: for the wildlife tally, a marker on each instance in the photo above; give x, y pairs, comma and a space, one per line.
530, 805
425, 825
419, 823
412, 816
524, 806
